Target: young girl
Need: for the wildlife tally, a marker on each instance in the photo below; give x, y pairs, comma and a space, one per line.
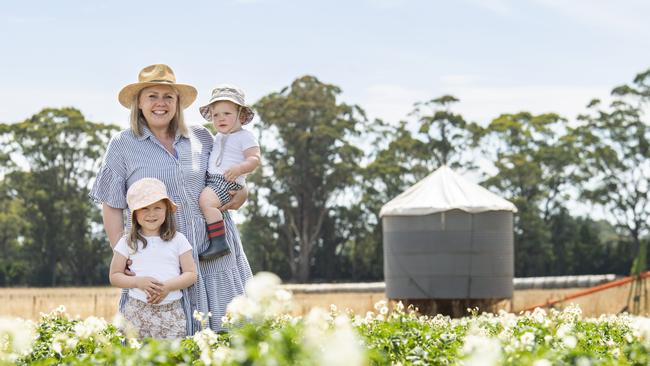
235, 153
161, 260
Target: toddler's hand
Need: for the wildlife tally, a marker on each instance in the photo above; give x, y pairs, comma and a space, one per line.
149, 285
160, 296
231, 174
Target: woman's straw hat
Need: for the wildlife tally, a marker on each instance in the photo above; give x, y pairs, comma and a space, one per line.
158, 74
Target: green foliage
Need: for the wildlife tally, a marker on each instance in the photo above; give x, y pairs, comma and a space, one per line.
313, 163
388, 336
58, 152
536, 160
445, 136
615, 152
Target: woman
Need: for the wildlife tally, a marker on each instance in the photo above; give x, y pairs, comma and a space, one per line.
159, 145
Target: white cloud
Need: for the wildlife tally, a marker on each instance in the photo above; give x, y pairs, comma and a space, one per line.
459, 79
482, 103
391, 103
499, 7
611, 15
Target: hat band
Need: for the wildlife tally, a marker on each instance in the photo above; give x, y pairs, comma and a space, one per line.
160, 81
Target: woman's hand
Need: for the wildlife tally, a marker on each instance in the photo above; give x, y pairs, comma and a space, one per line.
127, 268
237, 199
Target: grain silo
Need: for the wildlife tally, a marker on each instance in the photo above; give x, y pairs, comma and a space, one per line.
448, 240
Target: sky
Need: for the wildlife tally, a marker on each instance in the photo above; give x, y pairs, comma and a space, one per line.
496, 56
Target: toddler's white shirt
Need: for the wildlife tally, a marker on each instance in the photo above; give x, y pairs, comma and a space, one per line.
160, 260
233, 153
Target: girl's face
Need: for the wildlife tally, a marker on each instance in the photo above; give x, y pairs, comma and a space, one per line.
224, 116
150, 218
158, 105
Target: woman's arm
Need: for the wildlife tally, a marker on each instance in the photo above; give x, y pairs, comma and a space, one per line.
113, 223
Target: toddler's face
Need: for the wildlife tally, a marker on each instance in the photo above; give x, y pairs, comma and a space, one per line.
224, 116
151, 218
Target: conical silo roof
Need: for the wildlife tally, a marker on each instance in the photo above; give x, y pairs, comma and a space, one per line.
444, 190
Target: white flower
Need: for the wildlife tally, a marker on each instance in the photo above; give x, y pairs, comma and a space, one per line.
134, 343
399, 307
539, 315
342, 346
57, 347
480, 351
91, 326
570, 341
542, 362
242, 307
221, 355
262, 286
563, 330
381, 306
283, 295
264, 348
17, 334
583, 361
527, 339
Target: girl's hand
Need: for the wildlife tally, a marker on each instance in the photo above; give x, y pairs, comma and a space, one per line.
149, 285
232, 173
160, 296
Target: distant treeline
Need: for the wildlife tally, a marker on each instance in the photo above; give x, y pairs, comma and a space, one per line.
312, 211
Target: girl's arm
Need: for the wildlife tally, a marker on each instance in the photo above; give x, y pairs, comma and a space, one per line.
118, 279
252, 159
114, 227
184, 280
113, 224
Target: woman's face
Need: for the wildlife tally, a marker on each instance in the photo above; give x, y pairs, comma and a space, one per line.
158, 105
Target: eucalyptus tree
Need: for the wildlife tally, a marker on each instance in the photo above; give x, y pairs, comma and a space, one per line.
615, 149
446, 136
536, 165
56, 153
310, 165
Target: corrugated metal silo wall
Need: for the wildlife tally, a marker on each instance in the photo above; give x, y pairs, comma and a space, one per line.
449, 255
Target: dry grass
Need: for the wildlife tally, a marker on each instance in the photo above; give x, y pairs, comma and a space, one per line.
28, 303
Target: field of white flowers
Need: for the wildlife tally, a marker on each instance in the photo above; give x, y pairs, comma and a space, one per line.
262, 333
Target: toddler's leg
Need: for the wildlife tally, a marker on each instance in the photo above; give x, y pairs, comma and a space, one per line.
210, 203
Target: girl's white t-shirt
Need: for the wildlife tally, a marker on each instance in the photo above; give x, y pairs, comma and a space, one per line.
160, 260
233, 153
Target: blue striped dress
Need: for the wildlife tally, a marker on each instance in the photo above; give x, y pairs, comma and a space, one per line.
129, 158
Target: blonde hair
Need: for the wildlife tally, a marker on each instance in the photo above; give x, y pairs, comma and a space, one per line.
167, 229
137, 120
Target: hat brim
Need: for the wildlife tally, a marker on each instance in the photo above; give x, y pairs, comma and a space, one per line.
172, 204
186, 93
205, 110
